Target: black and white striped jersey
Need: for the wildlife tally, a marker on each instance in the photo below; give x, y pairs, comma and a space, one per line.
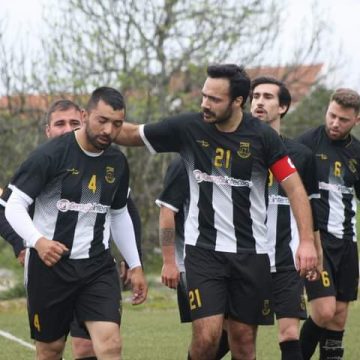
338, 169
283, 235
175, 196
227, 178
73, 193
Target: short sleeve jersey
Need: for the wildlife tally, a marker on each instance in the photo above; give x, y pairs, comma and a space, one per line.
74, 192
227, 178
175, 196
338, 171
283, 236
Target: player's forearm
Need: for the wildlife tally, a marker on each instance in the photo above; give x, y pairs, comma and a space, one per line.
8, 233
129, 135
122, 231
18, 217
300, 207
167, 243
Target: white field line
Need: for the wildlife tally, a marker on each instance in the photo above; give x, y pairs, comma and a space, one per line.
14, 338
20, 341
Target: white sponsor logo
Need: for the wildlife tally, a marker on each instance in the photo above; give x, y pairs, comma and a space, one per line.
221, 180
65, 205
278, 200
336, 188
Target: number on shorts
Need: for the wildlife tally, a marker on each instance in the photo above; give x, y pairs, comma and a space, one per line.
325, 278
37, 322
194, 299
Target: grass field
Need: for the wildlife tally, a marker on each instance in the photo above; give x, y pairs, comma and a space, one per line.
152, 331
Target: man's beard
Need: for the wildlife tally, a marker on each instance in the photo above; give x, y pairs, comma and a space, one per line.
220, 119
92, 139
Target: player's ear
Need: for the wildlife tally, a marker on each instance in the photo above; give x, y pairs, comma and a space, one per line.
47, 130
238, 101
283, 109
84, 116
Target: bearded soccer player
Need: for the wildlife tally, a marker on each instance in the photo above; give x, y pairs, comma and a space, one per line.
64, 116
80, 184
227, 154
337, 154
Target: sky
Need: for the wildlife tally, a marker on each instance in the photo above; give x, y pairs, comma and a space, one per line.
23, 18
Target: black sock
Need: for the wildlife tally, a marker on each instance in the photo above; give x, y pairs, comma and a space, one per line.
331, 345
310, 335
88, 358
291, 350
223, 346
189, 357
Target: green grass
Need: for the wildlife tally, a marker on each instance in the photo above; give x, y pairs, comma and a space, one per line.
152, 331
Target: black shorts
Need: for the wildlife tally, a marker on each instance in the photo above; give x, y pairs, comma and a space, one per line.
340, 277
288, 292
78, 330
236, 285
183, 299
88, 288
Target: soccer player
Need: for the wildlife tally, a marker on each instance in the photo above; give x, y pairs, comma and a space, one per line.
338, 169
227, 154
174, 202
270, 100
62, 117
79, 184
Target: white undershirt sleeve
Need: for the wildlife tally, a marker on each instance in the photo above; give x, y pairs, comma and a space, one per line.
16, 213
122, 232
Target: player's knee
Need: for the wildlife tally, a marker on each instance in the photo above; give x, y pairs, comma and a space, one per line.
111, 346
288, 333
49, 351
243, 346
324, 315
205, 342
82, 348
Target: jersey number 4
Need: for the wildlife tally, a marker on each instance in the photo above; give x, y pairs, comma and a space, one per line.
92, 184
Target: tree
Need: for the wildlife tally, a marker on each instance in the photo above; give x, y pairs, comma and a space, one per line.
143, 47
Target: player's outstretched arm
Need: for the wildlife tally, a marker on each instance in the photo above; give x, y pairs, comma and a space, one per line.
306, 256
129, 135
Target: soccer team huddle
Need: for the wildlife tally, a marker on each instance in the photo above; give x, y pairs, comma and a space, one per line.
249, 222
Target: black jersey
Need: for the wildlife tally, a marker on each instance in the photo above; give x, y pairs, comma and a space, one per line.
74, 192
175, 196
6, 231
227, 178
283, 233
338, 171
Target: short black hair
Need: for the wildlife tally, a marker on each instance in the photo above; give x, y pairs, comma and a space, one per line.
60, 105
284, 93
237, 76
109, 95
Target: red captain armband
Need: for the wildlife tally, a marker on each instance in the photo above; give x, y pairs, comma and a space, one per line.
283, 168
